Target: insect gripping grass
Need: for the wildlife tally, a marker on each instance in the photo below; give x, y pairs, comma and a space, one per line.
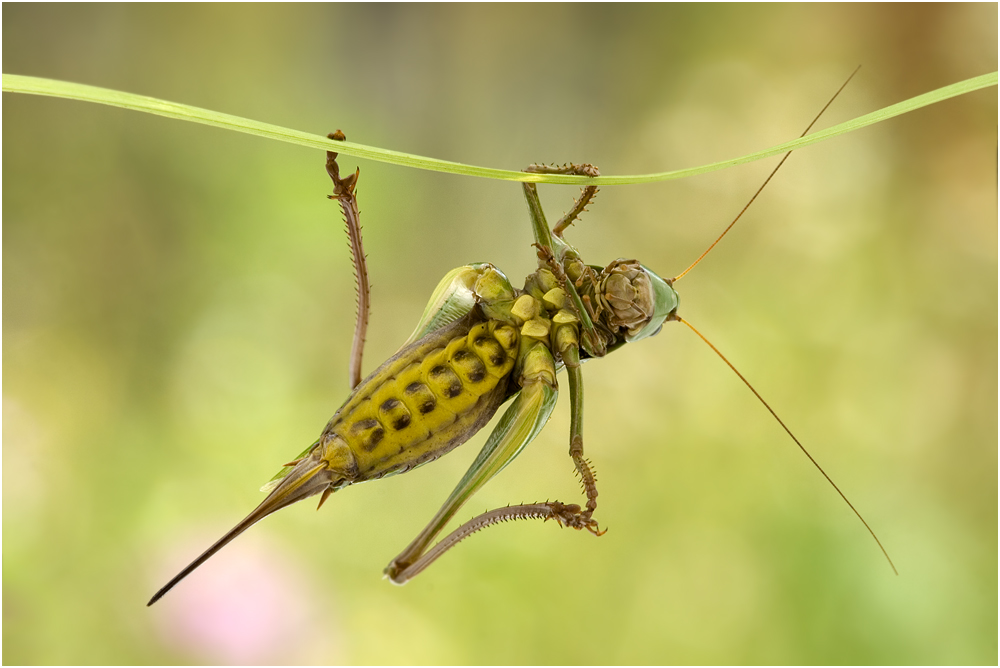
480, 343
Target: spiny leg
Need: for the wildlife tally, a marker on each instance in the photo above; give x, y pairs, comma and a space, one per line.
571, 358
566, 515
343, 192
550, 254
586, 195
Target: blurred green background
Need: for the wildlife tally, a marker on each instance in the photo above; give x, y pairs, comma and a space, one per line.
178, 306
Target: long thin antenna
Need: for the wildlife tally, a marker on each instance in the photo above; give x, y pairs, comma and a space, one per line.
766, 181
789, 432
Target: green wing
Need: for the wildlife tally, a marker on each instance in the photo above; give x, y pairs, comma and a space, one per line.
457, 294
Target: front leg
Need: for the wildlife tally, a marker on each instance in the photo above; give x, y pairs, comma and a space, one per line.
586, 195
554, 251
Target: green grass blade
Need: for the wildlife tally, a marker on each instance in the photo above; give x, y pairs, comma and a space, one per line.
914, 103
13, 83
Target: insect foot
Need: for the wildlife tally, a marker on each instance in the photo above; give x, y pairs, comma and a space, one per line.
573, 516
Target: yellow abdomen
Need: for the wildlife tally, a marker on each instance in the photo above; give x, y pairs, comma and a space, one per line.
428, 398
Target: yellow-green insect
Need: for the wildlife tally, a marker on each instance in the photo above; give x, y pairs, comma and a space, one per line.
479, 343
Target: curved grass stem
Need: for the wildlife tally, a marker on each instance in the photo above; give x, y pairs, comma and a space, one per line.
13, 83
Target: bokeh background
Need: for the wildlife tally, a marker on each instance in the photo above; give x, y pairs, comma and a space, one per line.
178, 305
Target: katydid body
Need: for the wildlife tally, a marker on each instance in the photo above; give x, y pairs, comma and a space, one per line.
479, 343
